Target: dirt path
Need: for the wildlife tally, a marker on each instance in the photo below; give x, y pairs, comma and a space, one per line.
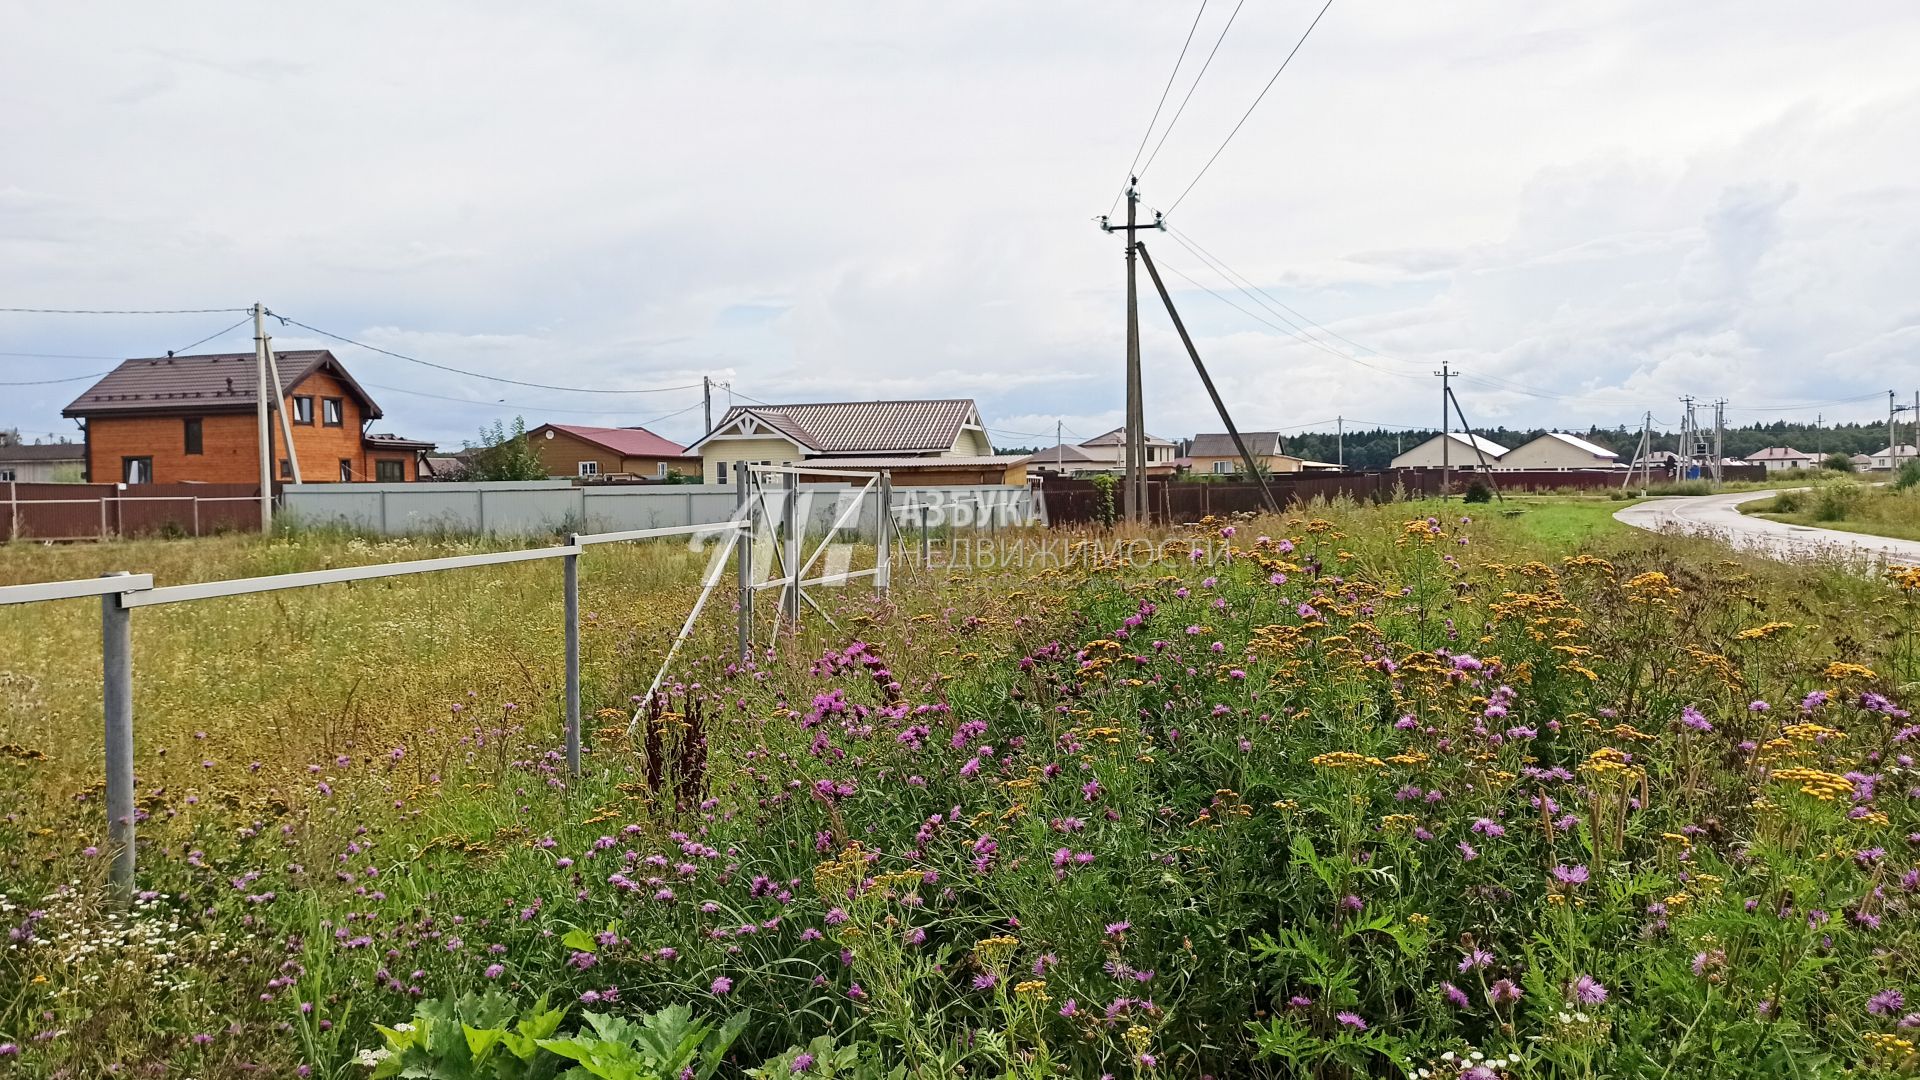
1719, 516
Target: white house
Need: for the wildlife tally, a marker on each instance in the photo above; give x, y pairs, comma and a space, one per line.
41, 463
1777, 458
1111, 449
1892, 457
1557, 451
924, 443
1459, 453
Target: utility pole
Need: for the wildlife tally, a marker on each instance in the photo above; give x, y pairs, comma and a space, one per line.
1893, 449
1446, 464
1466, 432
706, 395
260, 416
1643, 454
1134, 458
1719, 435
280, 409
1340, 440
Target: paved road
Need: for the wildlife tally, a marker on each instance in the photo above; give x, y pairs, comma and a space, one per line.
1719, 516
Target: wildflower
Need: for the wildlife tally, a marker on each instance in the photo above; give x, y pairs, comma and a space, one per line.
1467, 853
1504, 990
722, 986
1587, 991
801, 1063
1070, 1007
985, 981
1454, 995
1351, 1020
1691, 718
1570, 875
1475, 958
1886, 1002
494, 971
1118, 928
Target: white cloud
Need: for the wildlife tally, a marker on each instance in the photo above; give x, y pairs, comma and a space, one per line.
1611, 203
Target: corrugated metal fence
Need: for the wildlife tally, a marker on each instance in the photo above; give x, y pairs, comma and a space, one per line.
98, 511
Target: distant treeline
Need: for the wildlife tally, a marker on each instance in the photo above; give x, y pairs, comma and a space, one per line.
1373, 448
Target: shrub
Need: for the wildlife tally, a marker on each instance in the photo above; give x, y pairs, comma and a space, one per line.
1787, 502
1477, 492
1908, 476
1838, 463
1837, 502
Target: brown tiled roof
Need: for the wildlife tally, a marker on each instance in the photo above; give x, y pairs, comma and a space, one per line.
219, 382
1259, 443
625, 441
1063, 454
44, 452
865, 427
396, 442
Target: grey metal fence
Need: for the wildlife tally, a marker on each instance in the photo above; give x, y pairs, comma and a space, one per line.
122, 593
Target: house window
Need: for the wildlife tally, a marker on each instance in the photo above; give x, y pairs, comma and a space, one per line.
303, 410
333, 411
390, 471
6, 475
719, 472
136, 470
192, 425
286, 469
1222, 467
346, 471
589, 468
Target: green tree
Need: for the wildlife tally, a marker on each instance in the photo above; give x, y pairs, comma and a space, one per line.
504, 453
1838, 463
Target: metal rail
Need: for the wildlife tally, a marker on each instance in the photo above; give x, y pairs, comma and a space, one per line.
68, 590
174, 594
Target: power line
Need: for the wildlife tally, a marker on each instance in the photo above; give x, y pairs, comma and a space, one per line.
1250, 108
1273, 325
1228, 272
1196, 85
515, 405
1155, 118
476, 374
59, 356
124, 311
215, 334
50, 382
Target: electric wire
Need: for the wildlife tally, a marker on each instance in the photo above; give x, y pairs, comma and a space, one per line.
1243, 118
477, 374
1155, 118
1196, 85
124, 311
209, 337
50, 382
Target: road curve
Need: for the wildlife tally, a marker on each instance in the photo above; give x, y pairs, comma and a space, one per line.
1719, 516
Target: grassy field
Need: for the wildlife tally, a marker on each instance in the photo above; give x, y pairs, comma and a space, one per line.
1849, 506
1354, 792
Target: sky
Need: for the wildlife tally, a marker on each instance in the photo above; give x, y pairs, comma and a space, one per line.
1586, 209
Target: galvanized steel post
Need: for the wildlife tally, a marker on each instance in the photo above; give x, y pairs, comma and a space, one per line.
743, 553
570, 573
116, 696
791, 515
883, 534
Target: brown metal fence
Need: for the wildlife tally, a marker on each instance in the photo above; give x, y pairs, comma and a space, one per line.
99, 511
1078, 501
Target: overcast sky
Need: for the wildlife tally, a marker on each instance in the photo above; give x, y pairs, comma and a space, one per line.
1587, 208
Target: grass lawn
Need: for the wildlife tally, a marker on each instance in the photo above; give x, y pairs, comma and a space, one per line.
1875, 511
1561, 521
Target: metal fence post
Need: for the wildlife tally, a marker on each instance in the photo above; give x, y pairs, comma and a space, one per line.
743, 548
570, 573
883, 535
926, 545
116, 696
792, 552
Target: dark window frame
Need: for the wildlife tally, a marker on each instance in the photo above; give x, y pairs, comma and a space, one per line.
286, 468
380, 469
126, 467
346, 470
336, 406
297, 419
193, 436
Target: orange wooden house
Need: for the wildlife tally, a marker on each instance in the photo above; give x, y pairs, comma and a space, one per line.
181, 419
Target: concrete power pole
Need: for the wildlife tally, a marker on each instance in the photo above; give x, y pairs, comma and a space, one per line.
706, 394
1340, 438
1893, 448
1134, 488
260, 416
1446, 464
1719, 435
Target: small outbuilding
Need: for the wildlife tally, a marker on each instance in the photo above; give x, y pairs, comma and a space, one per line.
1557, 451
1454, 450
